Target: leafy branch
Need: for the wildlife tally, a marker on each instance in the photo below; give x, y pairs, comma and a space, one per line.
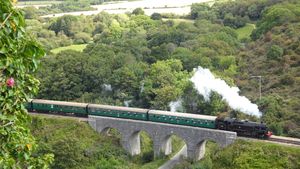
6, 19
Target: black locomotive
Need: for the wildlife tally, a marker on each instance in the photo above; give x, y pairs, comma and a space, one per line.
243, 127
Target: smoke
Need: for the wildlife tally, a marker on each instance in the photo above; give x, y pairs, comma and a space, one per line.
142, 87
127, 102
107, 87
205, 82
176, 106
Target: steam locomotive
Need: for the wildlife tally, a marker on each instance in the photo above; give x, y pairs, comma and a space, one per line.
242, 128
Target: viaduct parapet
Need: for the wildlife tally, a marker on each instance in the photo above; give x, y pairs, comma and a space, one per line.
194, 137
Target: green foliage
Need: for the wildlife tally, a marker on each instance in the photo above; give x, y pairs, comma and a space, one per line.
275, 52
273, 56
64, 24
275, 16
202, 11
117, 65
19, 58
30, 13
195, 103
234, 22
156, 16
76, 145
67, 6
138, 11
247, 154
245, 32
165, 83
78, 48
81, 38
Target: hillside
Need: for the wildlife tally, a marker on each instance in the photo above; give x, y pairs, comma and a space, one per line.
247, 154
275, 56
76, 145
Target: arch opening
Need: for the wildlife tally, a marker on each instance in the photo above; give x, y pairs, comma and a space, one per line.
143, 144
113, 134
206, 148
173, 144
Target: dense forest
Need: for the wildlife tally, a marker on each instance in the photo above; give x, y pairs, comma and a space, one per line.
146, 61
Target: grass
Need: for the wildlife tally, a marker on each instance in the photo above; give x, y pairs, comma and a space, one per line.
245, 31
78, 48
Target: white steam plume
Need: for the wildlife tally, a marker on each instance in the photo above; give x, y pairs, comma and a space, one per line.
176, 106
205, 83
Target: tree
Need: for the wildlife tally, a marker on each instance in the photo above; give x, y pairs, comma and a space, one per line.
165, 83
195, 103
275, 16
138, 11
156, 16
64, 24
199, 9
30, 12
19, 57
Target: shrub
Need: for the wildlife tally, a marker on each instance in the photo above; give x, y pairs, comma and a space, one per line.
81, 38
275, 52
156, 16
138, 11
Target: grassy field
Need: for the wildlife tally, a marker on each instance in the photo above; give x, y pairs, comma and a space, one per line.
245, 31
38, 2
75, 145
78, 48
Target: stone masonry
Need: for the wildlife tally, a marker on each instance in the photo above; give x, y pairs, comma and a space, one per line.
194, 137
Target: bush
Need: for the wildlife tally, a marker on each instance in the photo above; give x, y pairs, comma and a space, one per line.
235, 21
276, 128
287, 80
68, 153
275, 52
138, 11
81, 38
156, 16
294, 133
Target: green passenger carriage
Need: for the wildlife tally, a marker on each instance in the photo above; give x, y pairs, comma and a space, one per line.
59, 106
182, 118
117, 111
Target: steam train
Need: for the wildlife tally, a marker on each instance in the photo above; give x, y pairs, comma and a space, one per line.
242, 128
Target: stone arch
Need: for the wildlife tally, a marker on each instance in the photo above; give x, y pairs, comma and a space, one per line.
166, 147
201, 146
108, 130
132, 140
105, 129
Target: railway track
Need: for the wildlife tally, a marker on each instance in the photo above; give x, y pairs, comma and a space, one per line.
277, 139
286, 140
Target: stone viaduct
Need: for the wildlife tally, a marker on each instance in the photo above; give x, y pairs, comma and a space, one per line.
194, 137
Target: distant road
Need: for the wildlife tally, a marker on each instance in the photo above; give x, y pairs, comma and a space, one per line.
179, 7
